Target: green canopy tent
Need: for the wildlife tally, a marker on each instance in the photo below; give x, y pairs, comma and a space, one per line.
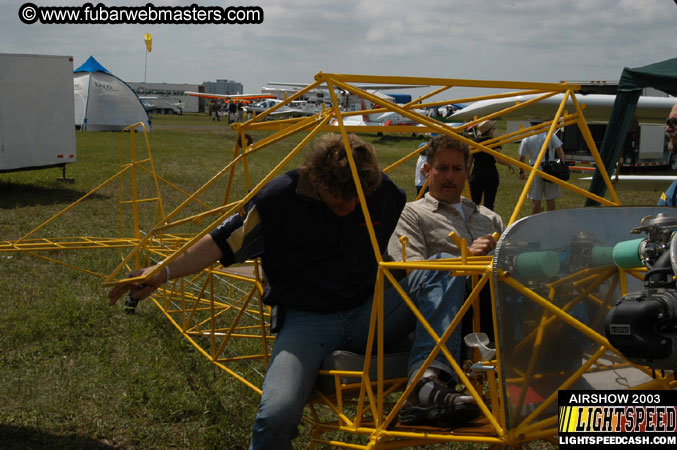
662, 76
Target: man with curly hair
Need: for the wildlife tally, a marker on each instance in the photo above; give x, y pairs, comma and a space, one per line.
311, 235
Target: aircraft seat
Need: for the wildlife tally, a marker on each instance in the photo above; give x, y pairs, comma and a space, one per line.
395, 364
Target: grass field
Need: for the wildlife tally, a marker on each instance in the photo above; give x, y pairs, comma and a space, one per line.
77, 374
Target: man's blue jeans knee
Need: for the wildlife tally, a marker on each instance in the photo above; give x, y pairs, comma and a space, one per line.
300, 346
439, 297
305, 339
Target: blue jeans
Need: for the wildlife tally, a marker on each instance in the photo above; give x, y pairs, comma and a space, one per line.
306, 338
438, 297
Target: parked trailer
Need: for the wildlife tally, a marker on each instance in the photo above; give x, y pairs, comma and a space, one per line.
645, 144
36, 112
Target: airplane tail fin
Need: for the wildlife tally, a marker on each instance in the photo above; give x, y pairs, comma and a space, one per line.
365, 117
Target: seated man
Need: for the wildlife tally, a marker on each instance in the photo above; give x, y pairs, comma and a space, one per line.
427, 223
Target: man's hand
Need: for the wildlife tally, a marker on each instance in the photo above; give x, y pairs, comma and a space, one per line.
196, 258
521, 171
482, 245
137, 290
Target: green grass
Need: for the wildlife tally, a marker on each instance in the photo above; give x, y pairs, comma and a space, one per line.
78, 374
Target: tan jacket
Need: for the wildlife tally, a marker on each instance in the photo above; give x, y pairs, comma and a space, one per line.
427, 223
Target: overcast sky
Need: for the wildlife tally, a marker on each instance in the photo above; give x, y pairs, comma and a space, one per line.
525, 40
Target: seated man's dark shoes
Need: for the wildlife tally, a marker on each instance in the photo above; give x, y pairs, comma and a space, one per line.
440, 407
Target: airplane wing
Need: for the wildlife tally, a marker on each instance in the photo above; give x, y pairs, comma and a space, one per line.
375, 87
649, 111
229, 96
662, 178
295, 109
277, 83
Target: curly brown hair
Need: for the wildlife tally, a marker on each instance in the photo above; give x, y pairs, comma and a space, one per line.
444, 142
328, 169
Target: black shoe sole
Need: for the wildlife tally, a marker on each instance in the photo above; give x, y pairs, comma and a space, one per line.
440, 416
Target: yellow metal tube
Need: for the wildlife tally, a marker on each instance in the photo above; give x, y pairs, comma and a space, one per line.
413, 81
356, 178
537, 163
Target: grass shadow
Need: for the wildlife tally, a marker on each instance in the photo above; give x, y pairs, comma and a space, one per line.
15, 195
24, 438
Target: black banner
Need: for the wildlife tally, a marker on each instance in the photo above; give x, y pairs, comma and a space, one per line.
628, 418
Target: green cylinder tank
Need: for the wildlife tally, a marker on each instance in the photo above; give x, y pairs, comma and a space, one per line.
626, 254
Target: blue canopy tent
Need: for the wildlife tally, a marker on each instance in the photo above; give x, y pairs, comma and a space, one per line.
104, 101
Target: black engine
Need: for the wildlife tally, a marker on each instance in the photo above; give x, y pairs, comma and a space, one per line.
643, 325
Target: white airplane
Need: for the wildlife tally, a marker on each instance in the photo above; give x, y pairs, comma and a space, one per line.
657, 182
443, 113
649, 111
296, 108
261, 106
228, 96
319, 97
321, 93
386, 119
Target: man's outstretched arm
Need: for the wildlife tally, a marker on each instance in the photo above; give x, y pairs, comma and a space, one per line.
203, 254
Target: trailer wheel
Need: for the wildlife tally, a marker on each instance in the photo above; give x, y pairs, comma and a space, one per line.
672, 162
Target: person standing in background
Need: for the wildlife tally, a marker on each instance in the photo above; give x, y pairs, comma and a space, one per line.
484, 178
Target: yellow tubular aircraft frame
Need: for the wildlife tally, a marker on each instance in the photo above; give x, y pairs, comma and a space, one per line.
220, 311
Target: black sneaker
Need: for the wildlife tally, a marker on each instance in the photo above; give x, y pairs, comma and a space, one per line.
444, 407
130, 304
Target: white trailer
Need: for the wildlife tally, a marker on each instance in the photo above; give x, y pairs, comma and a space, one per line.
645, 144
36, 112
